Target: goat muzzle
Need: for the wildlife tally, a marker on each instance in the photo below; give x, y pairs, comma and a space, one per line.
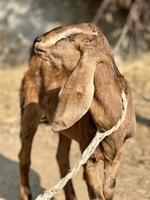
40, 48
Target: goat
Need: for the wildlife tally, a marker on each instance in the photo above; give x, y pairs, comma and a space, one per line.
72, 79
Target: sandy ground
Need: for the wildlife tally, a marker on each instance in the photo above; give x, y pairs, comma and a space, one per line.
134, 177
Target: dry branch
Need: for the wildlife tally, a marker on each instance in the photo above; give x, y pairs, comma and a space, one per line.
132, 18
103, 6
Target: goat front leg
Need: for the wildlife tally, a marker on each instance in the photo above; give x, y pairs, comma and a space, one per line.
92, 179
87, 130
64, 165
110, 173
29, 124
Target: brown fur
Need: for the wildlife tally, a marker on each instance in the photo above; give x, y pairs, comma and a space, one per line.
77, 60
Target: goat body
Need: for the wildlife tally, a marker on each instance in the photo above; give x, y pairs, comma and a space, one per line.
72, 79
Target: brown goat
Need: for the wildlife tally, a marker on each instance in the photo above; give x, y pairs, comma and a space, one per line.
72, 78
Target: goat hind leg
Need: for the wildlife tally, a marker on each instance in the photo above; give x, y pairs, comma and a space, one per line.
63, 162
29, 123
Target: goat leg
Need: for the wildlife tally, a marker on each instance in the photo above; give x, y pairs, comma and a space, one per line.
63, 162
110, 173
29, 124
91, 177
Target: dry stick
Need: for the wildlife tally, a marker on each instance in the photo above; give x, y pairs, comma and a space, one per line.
122, 36
5, 54
50, 194
124, 31
130, 18
100, 11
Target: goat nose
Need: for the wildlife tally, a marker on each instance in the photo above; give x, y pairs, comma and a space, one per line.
39, 48
39, 39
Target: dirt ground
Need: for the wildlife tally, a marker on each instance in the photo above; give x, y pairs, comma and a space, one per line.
134, 177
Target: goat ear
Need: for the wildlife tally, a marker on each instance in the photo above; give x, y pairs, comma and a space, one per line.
76, 96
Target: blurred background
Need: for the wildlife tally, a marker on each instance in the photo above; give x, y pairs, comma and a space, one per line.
126, 25
22, 21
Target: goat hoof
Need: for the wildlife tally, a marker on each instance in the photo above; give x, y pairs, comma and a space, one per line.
26, 194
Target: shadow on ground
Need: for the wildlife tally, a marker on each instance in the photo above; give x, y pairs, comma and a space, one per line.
9, 180
143, 120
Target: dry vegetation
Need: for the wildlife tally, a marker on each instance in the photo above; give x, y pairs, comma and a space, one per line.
133, 182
